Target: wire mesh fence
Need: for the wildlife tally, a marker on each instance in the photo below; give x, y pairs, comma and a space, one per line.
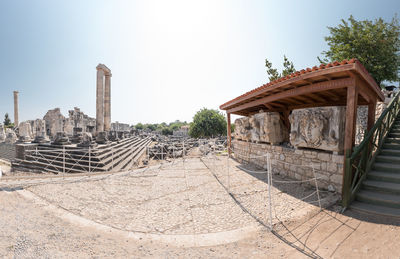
270, 198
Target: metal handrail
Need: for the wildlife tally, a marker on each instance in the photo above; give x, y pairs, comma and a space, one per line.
358, 164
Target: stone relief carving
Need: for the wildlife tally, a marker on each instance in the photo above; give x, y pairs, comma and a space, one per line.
319, 128
261, 127
2, 133
11, 137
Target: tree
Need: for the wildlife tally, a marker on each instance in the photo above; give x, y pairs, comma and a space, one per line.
207, 123
139, 126
273, 73
7, 120
376, 44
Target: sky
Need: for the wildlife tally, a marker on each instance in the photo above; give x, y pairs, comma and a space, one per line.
169, 59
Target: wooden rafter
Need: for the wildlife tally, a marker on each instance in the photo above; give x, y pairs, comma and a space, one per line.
317, 87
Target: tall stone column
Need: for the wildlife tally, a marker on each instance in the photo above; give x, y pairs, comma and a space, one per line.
99, 101
107, 102
16, 121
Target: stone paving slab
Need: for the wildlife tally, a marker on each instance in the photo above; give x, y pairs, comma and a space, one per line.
182, 197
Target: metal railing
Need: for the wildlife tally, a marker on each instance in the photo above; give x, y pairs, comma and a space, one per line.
358, 164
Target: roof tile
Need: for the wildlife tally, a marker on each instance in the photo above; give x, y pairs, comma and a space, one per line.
296, 74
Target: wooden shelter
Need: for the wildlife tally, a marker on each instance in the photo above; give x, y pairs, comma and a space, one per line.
345, 83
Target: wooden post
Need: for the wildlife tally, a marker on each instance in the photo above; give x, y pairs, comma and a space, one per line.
371, 115
228, 115
349, 139
286, 121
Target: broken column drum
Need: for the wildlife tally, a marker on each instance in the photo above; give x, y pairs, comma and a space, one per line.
25, 132
103, 99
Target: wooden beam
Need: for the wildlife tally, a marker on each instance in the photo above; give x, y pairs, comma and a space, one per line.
292, 81
318, 97
317, 87
279, 105
286, 121
350, 130
365, 91
322, 104
371, 115
228, 115
370, 81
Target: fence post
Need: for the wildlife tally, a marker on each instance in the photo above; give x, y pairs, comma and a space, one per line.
269, 177
63, 161
89, 160
112, 158
316, 186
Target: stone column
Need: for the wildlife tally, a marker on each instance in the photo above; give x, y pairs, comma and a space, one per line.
16, 121
100, 101
107, 102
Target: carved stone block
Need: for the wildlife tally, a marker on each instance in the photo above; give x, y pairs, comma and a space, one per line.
11, 137
25, 132
40, 132
61, 139
242, 129
319, 128
2, 133
261, 127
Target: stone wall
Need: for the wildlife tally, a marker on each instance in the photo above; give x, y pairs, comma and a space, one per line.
294, 163
7, 151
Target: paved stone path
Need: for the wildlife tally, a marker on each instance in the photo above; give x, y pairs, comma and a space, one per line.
83, 217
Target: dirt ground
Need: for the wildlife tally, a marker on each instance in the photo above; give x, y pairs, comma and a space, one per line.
66, 218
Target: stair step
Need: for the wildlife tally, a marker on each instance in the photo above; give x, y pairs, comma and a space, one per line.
392, 140
384, 176
388, 159
382, 186
375, 209
378, 198
394, 135
391, 146
387, 167
390, 152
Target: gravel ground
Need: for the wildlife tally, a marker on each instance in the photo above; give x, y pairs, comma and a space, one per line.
185, 197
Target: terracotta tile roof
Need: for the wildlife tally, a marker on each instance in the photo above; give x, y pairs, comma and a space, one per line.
298, 73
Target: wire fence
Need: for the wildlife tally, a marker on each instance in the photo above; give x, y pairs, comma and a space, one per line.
278, 199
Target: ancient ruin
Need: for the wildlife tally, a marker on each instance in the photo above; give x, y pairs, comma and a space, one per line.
65, 144
264, 127
16, 121
297, 105
318, 128
103, 99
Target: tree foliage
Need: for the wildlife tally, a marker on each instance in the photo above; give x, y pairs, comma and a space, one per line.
163, 128
7, 121
207, 123
273, 73
376, 44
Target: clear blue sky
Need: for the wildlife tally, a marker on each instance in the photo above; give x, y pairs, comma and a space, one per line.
168, 58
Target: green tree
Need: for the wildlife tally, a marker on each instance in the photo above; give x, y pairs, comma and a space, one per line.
273, 73
207, 123
139, 126
376, 44
7, 120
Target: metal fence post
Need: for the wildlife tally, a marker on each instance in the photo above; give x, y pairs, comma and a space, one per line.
112, 158
90, 169
269, 166
63, 161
